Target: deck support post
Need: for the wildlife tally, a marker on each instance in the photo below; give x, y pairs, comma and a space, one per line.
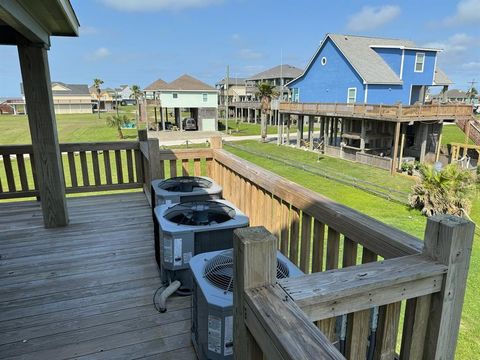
448, 239
300, 121
402, 144
363, 133
255, 263
395, 148
280, 129
43, 130
423, 141
311, 122
289, 122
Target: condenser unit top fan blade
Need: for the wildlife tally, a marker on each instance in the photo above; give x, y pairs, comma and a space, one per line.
219, 270
185, 184
200, 213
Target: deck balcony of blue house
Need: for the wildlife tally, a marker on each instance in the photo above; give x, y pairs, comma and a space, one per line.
368, 97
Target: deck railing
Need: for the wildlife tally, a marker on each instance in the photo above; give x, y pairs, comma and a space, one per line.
358, 271
356, 268
88, 167
380, 111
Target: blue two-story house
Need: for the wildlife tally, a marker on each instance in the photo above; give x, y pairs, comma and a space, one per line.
358, 69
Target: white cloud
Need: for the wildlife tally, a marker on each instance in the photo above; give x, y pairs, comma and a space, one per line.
372, 17
149, 5
99, 54
250, 54
236, 37
455, 48
468, 12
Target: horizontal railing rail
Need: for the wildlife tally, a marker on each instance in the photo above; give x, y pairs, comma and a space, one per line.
357, 307
410, 112
88, 167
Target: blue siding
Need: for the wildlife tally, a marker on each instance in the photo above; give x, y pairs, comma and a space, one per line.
387, 94
393, 57
329, 82
410, 77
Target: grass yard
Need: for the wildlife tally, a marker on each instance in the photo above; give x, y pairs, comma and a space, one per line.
71, 128
453, 134
394, 214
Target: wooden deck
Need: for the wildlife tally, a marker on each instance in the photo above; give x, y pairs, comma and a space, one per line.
85, 291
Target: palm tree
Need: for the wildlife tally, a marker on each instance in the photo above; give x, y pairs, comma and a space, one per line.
136, 94
265, 92
448, 191
472, 93
117, 121
96, 84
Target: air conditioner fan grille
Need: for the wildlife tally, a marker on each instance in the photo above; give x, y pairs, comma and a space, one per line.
197, 213
185, 184
219, 270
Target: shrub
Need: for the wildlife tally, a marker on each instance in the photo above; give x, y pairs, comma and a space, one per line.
448, 191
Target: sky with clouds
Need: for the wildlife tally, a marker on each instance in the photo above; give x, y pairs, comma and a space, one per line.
139, 41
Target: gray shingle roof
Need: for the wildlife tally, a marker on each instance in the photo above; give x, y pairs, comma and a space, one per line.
366, 61
285, 71
369, 65
232, 81
72, 89
441, 78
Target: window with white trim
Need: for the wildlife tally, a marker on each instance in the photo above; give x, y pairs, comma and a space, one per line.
324, 60
419, 62
175, 95
352, 95
205, 97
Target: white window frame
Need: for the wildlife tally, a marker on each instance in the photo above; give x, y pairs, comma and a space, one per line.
348, 95
205, 97
323, 61
416, 61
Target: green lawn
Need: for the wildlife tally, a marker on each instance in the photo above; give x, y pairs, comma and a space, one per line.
391, 213
71, 128
453, 134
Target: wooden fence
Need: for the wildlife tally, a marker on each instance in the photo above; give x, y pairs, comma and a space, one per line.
88, 167
379, 111
355, 266
381, 162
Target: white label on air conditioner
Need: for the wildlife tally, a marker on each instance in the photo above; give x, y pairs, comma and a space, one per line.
228, 343
167, 250
168, 202
177, 252
186, 257
214, 334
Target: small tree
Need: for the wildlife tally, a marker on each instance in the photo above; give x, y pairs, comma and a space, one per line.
472, 93
265, 92
136, 94
448, 191
117, 121
98, 91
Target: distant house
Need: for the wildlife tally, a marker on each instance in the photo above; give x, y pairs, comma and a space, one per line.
186, 93
124, 92
451, 96
69, 98
237, 90
358, 69
277, 76
153, 90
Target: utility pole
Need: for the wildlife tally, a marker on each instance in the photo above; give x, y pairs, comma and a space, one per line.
227, 78
470, 91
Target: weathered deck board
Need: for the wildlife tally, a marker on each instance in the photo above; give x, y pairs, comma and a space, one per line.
85, 291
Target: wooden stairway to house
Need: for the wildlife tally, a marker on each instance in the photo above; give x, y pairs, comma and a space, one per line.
471, 128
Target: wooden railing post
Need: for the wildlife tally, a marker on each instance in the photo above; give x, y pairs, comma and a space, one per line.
216, 142
255, 263
448, 240
152, 169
